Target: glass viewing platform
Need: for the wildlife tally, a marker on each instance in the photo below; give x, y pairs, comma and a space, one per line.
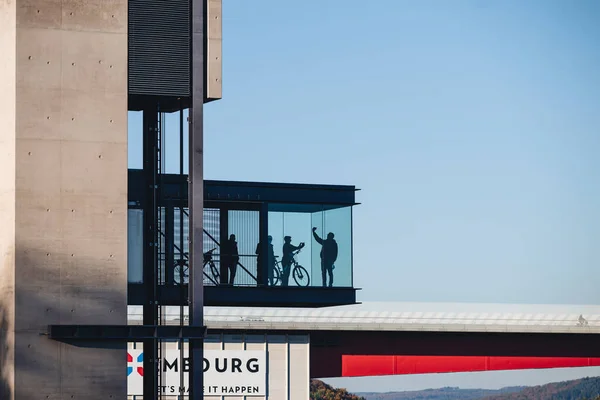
264, 243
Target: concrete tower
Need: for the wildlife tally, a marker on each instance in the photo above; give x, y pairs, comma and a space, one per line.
63, 195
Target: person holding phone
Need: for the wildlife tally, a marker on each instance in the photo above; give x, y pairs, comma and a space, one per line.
329, 253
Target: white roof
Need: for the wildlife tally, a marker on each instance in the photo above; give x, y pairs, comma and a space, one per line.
375, 316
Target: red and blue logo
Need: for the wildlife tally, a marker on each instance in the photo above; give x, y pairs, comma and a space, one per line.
139, 360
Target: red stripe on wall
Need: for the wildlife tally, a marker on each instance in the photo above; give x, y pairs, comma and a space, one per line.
401, 365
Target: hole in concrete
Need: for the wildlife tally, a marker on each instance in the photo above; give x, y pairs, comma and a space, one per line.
70, 13
100, 156
47, 62
111, 121
29, 346
29, 153
72, 255
47, 309
72, 311
47, 209
72, 119
111, 256
48, 117
47, 254
110, 211
112, 16
110, 66
72, 63
72, 210
29, 57
38, 11
99, 61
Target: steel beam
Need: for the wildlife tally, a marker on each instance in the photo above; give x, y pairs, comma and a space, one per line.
196, 193
128, 333
250, 296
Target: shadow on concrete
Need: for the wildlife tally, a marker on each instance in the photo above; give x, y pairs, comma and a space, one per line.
62, 288
5, 387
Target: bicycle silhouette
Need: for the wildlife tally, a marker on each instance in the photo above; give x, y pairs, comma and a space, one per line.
299, 273
181, 270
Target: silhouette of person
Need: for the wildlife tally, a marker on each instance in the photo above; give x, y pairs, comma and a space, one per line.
270, 258
229, 261
287, 258
329, 253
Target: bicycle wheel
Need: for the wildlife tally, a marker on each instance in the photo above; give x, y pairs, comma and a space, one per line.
214, 271
301, 276
276, 276
177, 274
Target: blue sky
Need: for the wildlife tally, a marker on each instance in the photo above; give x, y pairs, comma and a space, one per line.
472, 129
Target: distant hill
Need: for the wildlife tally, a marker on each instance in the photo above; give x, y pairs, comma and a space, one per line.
446, 393
580, 389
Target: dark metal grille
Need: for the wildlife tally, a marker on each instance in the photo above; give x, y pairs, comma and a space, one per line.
159, 47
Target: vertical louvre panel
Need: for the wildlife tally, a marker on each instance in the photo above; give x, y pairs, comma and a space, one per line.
245, 226
159, 47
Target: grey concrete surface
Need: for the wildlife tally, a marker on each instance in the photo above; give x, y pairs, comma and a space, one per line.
214, 50
7, 194
63, 194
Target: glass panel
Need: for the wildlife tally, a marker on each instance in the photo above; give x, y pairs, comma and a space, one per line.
181, 245
332, 249
244, 226
173, 148
135, 139
210, 245
135, 246
290, 231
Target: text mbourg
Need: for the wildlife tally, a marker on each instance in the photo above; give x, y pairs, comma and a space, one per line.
220, 364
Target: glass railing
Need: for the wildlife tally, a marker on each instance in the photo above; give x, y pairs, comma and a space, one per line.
312, 245
307, 246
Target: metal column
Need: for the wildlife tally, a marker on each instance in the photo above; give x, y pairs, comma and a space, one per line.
169, 235
196, 194
150, 210
262, 274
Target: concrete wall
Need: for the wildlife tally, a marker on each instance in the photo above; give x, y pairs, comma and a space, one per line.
70, 192
288, 363
7, 194
214, 50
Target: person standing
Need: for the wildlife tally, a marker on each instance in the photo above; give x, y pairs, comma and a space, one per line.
288, 258
270, 259
229, 261
329, 253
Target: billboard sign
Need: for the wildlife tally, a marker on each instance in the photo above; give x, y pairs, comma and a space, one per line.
226, 372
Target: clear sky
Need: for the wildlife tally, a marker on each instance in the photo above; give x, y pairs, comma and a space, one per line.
472, 129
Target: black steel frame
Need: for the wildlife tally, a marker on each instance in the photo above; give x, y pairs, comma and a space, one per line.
128, 333
247, 196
